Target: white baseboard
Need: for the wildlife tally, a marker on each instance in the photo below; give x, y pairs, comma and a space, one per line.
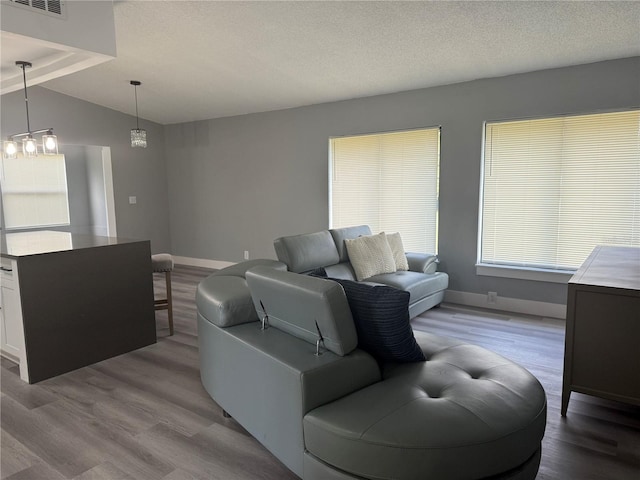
201, 262
505, 304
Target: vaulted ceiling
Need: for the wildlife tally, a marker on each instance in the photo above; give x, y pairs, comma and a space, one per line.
207, 59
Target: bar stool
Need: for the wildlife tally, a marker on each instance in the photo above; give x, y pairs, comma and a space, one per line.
163, 263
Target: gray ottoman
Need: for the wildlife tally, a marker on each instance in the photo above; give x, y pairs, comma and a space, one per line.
465, 413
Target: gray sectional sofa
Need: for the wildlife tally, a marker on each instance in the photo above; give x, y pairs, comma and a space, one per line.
463, 413
326, 250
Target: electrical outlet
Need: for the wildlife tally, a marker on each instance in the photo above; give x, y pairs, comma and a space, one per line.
246, 254
492, 297
133, 200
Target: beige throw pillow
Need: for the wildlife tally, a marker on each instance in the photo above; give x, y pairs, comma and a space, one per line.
370, 255
395, 242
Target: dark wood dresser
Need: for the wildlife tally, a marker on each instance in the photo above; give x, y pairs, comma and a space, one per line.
602, 344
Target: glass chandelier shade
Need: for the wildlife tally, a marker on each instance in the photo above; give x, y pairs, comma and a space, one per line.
29, 146
138, 135
10, 149
29, 143
138, 138
50, 143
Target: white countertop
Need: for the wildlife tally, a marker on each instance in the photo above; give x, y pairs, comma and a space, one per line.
20, 244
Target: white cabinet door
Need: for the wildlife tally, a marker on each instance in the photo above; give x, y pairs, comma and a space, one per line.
11, 328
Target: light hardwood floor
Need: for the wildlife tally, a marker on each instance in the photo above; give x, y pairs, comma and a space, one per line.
598, 439
145, 415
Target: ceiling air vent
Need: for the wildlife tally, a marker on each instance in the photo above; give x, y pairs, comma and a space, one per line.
53, 7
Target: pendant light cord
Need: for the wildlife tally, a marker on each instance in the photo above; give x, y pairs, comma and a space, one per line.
135, 90
26, 99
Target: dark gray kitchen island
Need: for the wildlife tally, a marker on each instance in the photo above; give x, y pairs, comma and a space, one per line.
70, 300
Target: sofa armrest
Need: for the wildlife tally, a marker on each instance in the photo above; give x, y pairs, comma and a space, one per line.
422, 262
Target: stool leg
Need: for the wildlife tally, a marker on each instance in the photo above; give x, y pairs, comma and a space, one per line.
169, 302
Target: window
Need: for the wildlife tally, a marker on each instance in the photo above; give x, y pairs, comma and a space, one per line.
555, 188
388, 181
34, 191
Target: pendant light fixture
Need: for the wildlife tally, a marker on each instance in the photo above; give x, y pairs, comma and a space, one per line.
29, 143
138, 135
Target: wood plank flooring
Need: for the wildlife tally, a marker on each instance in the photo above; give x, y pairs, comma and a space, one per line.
145, 415
598, 439
141, 415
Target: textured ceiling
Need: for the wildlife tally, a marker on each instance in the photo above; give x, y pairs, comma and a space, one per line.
209, 59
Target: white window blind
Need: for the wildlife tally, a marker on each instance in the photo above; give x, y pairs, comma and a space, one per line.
555, 188
34, 191
388, 181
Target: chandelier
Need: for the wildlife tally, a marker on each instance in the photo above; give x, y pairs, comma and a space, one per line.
48, 141
138, 135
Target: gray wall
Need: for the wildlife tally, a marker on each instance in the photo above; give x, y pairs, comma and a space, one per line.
139, 172
80, 219
237, 183
97, 191
86, 190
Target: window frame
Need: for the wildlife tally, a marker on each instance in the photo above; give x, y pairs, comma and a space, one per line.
518, 271
12, 191
330, 170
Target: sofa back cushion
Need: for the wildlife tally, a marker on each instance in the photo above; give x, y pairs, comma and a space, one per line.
340, 234
305, 307
306, 252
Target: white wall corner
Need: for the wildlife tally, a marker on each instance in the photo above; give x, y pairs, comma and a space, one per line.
505, 304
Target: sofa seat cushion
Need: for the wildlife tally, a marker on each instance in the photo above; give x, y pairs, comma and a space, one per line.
419, 285
342, 270
464, 413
